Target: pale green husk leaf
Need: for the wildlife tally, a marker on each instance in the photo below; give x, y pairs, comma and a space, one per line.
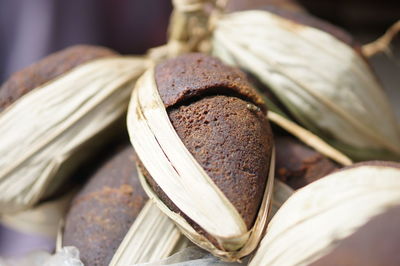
323, 82
313, 220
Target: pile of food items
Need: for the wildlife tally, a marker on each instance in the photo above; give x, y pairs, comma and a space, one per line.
261, 136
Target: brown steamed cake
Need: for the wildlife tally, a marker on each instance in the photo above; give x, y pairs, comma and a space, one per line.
47, 69
213, 110
298, 165
103, 211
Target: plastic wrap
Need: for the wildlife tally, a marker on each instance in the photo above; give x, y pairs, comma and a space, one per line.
67, 256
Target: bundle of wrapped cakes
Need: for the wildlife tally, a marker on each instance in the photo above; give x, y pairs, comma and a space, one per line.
255, 137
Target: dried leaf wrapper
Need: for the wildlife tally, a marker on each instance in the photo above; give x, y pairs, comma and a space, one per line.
323, 82
321, 214
46, 127
153, 236
184, 181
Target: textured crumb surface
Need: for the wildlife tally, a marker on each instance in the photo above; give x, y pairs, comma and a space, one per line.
237, 162
232, 144
195, 75
47, 69
102, 213
298, 165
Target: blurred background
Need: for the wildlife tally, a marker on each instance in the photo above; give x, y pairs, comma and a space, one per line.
30, 30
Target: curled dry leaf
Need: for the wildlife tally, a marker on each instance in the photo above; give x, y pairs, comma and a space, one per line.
329, 213
47, 128
322, 80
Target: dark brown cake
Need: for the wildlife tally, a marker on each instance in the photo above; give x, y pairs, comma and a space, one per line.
102, 213
47, 69
298, 165
194, 76
221, 120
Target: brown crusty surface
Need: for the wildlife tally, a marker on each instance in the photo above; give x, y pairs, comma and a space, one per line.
47, 69
195, 75
374, 244
103, 211
208, 105
298, 165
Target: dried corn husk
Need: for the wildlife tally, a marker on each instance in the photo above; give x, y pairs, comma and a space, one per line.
192, 255
153, 236
382, 44
314, 219
183, 180
46, 129
323, 82
195, 11
188, 16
